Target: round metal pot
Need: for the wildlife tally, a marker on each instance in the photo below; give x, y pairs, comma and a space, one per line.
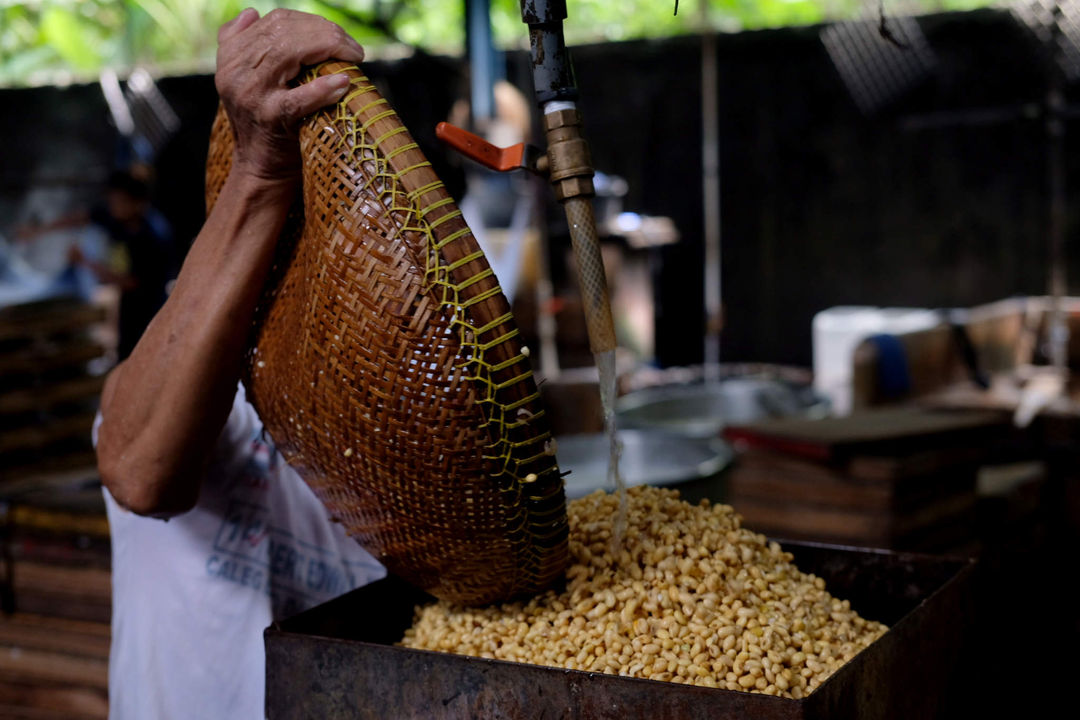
691, 465
702, 410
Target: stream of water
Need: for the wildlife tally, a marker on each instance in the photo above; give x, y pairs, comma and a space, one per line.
605, 364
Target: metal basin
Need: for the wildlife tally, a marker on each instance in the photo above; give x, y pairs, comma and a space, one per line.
702, 410
648, 458
339, 660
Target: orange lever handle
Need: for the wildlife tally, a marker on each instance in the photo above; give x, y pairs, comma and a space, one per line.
477, 148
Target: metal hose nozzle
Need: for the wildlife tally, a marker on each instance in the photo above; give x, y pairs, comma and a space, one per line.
591, 276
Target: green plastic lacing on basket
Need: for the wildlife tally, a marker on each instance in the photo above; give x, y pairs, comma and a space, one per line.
504, 417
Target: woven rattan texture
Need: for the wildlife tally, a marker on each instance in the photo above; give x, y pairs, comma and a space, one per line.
386, 366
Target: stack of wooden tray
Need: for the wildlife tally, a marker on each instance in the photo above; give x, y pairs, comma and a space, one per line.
54, 632
53, 669
55, 581
897, 478
48, 395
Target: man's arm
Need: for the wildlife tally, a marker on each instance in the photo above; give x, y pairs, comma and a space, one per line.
165, 406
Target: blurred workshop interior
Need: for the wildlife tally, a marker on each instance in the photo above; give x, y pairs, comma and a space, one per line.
837, 239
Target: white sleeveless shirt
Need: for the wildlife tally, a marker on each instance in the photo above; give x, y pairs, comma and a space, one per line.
192, 595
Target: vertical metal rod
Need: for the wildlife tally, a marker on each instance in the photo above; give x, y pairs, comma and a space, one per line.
481, 61
710, 165
546, 323
1055, 142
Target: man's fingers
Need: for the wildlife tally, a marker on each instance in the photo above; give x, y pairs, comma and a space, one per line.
341, 47
238, 24
331, 43
354, 50
300, 39
283, 41
311, 96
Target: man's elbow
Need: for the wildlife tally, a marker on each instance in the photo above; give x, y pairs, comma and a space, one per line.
141, 489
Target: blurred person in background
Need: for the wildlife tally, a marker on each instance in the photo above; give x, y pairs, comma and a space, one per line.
146, 260
142, 257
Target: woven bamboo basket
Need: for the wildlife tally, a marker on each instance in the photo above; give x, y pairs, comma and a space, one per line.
385, 363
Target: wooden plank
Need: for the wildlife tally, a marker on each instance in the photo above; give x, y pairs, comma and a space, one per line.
71, 637
46, 472
39, 436
12, 712
37, 359
919, 464
79, 593
907, 429
814, 524
89, 583
21, 701
49, 395
799, 521
42, 320
92, 629
59, 548
71, 489
769, 477
30, 666
37, 518
64, 605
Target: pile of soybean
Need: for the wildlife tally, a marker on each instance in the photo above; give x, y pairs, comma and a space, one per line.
690, 596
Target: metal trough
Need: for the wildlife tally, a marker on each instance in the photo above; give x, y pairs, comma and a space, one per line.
338, 660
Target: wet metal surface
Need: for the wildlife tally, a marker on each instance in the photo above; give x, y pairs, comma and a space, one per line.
648, 457
702, 410
337, 660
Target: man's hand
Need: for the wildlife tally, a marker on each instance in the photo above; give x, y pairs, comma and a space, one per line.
257, 61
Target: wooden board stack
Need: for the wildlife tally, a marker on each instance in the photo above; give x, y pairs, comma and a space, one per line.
54, 575
47, 395
54, 633
896, 478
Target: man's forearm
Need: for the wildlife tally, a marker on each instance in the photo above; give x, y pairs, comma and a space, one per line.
164, 407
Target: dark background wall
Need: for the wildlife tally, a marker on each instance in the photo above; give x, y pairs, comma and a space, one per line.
933, 202
936, 202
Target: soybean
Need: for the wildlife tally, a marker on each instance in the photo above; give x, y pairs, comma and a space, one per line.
690, 597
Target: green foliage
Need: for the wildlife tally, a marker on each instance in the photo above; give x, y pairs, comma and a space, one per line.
47, 40
73, 40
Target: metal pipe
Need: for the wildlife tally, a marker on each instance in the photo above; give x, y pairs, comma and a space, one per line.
710, 165
1055, 150
569, 162
546, 328
481, 62
553, 73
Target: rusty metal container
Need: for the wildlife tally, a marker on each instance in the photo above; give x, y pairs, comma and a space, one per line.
338, 660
